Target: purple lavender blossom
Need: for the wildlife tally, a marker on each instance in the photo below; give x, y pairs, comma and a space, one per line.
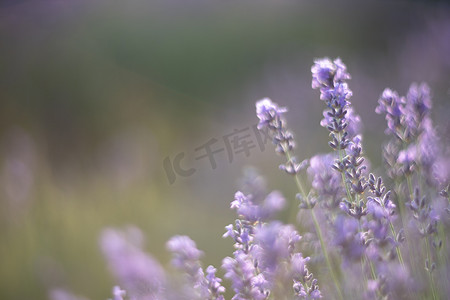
362, 216
250, 211
261, 264
418, 100
326, 181
349, 238
268, 113
214, 286
245, 281
407, 159
330, 78
380, 205
323, 73
392, 105
270, 117
395, 281
354, 167
140, 275
276, 243
186, 257
423, 212
354, 126
305, 286
327, 73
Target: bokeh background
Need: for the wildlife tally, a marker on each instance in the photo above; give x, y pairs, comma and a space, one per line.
95, 95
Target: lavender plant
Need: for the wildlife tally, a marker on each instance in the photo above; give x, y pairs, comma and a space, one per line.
367, 226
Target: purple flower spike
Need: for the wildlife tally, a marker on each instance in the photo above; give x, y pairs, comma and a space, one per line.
276, 243
323, 72
325, 180
241, 272
392, 105
419, 99
349, 238
407, 159
268, 113
140, 275
270, 118
213, 288
354, 126
185, 251
330, 78
250, 211
327, 73
186, 258
305, 286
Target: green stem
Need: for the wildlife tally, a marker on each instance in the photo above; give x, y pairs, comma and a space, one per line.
318, 231
430, 275
397, 249
372, 272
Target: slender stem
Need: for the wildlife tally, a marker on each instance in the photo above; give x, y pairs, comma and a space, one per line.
318, 231
363, 271
397, 249
372, 272
410, 187
430, 275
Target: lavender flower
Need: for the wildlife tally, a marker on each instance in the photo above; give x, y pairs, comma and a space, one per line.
424, 213
275, 243
418, 105
354, 126
326, 181
186, 258
261, 264
330, 78
335, 92
380, 206
360, 212
408, 120
245, 282
305, 285
355, 183
407, 159
348, 237
136, 271
327, 73
252, 212
270, 116
354, 168
392, 105
278, 261
214, 286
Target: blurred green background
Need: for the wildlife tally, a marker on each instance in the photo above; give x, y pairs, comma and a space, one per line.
94, 95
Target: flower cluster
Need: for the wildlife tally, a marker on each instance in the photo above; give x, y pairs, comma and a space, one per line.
265, 259
378, 239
